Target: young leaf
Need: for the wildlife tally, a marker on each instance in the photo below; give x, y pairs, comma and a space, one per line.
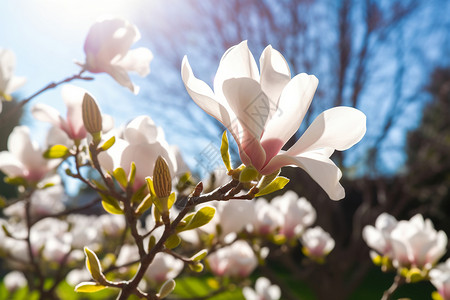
199, 255
111, 205
274, 186
121, 177
89, 287
108, 144
132, 174
267, 179
224, 151
93, 265
197, 267
56, 151
173, 241
166, 289
248, 174
145, 204
203, 216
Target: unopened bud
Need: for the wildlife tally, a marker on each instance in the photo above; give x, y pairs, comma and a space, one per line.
92, 118
198, 189
166, 288
162, 181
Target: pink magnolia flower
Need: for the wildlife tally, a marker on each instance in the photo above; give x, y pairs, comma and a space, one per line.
8, 82
163, 267
298, 213
262, 110
417, 244
107, 49
72, 127
440, 278
264, 290
378, 237
24, 157
267, 219
237, 259
317, 243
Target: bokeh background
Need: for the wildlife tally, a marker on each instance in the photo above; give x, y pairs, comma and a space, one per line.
390, 59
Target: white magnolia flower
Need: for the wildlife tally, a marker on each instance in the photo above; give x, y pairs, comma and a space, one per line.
417, 244
262, 110
263, 290
24, 157
378, 237
8, 82
107, 49
237, 260
267, 219
142, 142
317, 243
14, 280
163, 267
71, 127
298, 213
440, 278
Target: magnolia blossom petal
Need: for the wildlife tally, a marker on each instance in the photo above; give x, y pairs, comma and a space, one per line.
73, 98
10, 165
47, 113
237, 62
137, 60
339, 128
275, 74
292, 107
25, 150
317, 165
121, 76
14, 84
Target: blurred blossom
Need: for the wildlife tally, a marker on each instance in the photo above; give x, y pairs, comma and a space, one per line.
317, 243
76, 276
111, 225
262, 110
217, 178
237, 259
298, 213
417, 244
65, 131
440, 278
8, 82
14, 280
378, 237
142, 142
264, 290
128, 253
107, 49
24, 157
163, 267
267, 219
42, 202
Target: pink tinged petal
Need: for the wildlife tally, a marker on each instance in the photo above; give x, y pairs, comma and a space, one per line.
292, 107
237, 62
339, 128
120, 75
137, 60
251, 107
21, 146
73, 98
275, 74
318, 166
10, 165
46, 113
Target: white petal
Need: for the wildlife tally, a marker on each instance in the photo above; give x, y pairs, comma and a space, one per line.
21, 146
46, 113
14, 84
10, 165
121, 76
319, 167
249, 294
237, 62
137, 60
275, 74
338, 128
73, 98
292, 107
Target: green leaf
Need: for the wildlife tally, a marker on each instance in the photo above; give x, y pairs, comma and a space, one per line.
56, 151
144, 206
166, 289
132, 174
173, 241
151, 242
93, 265
199, 255
111, 205
15, 181
274, 186
197, 267
248, 174
139, 195
89, 287
203, 216
225, 152
150, 186
171, 200
108, 144
267, 179
121, 177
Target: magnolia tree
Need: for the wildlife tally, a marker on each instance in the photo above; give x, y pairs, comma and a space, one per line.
159, 222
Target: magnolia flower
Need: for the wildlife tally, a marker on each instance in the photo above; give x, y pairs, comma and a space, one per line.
378, 237
298, 213
14, 280
267, 219
263, 290
142, 143
24, 157
416, 244
440, 278
107, 50
237, 259
263, 110
317, 243
8, 82
163, 267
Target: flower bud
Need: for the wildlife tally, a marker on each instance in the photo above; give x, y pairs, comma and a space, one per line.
92, 118
162, 181
167, 288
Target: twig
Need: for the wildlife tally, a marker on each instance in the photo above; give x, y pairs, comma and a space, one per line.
398, 280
